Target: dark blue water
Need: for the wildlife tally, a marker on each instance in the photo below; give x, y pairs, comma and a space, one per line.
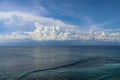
60, 63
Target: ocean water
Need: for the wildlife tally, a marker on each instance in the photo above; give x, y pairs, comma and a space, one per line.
60, 63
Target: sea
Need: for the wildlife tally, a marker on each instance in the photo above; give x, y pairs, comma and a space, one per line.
60, 63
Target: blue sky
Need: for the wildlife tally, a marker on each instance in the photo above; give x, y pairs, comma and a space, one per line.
78, 21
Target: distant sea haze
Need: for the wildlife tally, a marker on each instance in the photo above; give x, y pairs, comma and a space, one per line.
60, 63
60, 43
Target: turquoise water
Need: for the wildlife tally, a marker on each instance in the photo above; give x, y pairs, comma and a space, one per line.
60, 63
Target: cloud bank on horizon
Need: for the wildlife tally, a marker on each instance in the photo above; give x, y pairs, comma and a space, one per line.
40, 24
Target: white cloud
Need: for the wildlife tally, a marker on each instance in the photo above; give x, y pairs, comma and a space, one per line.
12, 18
53, 32
51, 29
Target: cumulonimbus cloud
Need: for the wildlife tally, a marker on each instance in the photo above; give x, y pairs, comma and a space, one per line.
50, 29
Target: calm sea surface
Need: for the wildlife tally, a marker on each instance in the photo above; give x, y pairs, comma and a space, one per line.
60, 63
